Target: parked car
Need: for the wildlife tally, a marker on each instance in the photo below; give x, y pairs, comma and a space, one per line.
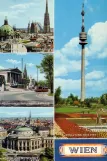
14, 85
41, 89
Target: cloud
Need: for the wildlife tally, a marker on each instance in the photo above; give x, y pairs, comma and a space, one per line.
90, 8
98, 85
98, 40
41, 76
68, 58
12, 14
71, 48
23, 53
22, 6
1, 67
13, 61
67, 84
95, 75
103, 54
64, 66
74, 86
20, 13
85, 1
97, 35
30, 64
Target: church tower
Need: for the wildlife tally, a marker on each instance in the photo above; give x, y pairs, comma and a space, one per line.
32, 27
29, 121
28, 27
30, 115
46, 20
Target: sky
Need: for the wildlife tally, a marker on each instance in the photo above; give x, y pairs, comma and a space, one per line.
9, 112
20, 12
68, 21
31, 60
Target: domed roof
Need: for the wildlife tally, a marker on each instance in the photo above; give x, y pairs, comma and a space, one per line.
22, 129
6, 29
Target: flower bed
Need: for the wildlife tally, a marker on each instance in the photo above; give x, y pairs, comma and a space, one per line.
72, 130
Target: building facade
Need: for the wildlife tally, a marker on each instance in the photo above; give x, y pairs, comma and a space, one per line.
3, 132
12, 75
24, 139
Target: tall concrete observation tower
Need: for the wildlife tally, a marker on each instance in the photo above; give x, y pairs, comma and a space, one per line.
83, 42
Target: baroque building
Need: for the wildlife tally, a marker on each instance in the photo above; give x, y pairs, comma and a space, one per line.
6, 31
24, 139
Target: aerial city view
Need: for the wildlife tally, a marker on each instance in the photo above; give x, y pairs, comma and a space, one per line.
26, 134
26, 80
33, 32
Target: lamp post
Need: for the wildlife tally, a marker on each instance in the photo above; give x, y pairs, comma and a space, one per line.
38, 67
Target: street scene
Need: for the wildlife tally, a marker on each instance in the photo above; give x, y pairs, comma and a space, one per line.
26, 134
33, 32
26, 80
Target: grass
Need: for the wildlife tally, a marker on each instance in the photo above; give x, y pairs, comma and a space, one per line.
74, 109
24, 41
71, 110
50, 94
84, 122
3, 150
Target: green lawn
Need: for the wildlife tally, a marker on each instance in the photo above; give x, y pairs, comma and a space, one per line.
50, 94
3, 150
84, 122
74, 109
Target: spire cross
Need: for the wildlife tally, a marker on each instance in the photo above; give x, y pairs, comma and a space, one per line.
5, 17
46, 6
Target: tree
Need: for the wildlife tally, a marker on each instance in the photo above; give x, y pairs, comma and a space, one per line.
2, 79
43, 83
57, 95
43, 158
47, 69
103, 99
71, 98
74, 98
69, 101
76, 103
2, 156
49, 152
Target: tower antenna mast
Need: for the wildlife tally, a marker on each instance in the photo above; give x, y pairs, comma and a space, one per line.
83, 42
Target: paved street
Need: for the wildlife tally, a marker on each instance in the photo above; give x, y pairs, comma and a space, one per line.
29, 96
